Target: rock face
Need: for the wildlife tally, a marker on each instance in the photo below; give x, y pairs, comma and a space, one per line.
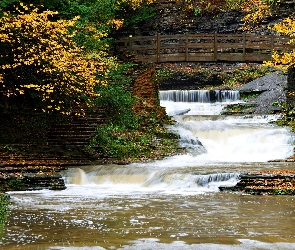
173, 17
15, 178
270, 91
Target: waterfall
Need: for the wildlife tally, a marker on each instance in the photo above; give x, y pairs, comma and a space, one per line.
203, 96
126, 179
209, 137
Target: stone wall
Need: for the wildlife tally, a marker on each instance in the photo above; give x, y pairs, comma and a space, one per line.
146, 92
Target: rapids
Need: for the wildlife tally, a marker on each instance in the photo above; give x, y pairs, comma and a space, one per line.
172, 203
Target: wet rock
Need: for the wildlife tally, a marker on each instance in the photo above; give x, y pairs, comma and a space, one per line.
270, 82
181, 80
180, 112
272, 182
27, 178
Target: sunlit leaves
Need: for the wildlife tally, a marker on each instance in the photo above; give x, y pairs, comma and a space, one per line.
135, 4
39, 51
285, 59
257, 11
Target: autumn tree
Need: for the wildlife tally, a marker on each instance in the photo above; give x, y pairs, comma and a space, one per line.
285, 59
40, 60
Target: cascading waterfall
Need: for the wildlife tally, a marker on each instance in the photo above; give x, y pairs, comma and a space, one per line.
202, 96
210, 137
130, 178
172, 203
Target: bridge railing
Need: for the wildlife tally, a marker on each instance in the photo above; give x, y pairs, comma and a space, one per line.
203, 47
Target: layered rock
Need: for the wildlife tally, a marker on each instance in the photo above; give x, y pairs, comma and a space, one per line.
27, 178
271, 182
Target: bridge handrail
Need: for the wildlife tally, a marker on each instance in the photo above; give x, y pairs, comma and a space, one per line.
203, 47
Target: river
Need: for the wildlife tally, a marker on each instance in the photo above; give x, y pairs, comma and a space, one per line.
172, 203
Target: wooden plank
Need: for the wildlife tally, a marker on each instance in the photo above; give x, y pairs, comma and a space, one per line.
254, 57
143, 47
215, 47
149, 58
201, 56
229, 45
230, 57
186, 48
179, 57
244, 46
201, 45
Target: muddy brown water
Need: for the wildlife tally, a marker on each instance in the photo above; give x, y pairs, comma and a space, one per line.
170, 204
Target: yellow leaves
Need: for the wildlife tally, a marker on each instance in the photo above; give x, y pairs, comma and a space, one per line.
6, 66
116, 23
287, 26
60, 68
284, 59
257, 10
135, 4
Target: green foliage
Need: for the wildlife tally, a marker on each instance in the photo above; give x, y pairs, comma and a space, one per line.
276, 103
247, 96
124, 144
116, 98
197, 11
282, 191
136, 16
4, 202
15, 184
5, 4
244, 75
163, 74
117, 142
238, 108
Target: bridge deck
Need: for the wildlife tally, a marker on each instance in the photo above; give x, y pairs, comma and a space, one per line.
203, 47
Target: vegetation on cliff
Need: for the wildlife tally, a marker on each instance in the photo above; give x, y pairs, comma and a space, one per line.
57, 59
135, 128
4, 202
58, 62
284, 60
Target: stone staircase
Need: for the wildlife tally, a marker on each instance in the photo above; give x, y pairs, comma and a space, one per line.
65, 144
29, 166
76, 133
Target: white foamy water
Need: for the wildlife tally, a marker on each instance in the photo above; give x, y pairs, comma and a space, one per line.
172, 203
133, 180
212, 138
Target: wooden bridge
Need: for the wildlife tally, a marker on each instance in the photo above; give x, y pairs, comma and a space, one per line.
203, 47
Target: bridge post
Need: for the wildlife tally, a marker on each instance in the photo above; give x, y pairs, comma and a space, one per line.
271, 45
244, 46
215, 47
130, 44
186, 47
158, 47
